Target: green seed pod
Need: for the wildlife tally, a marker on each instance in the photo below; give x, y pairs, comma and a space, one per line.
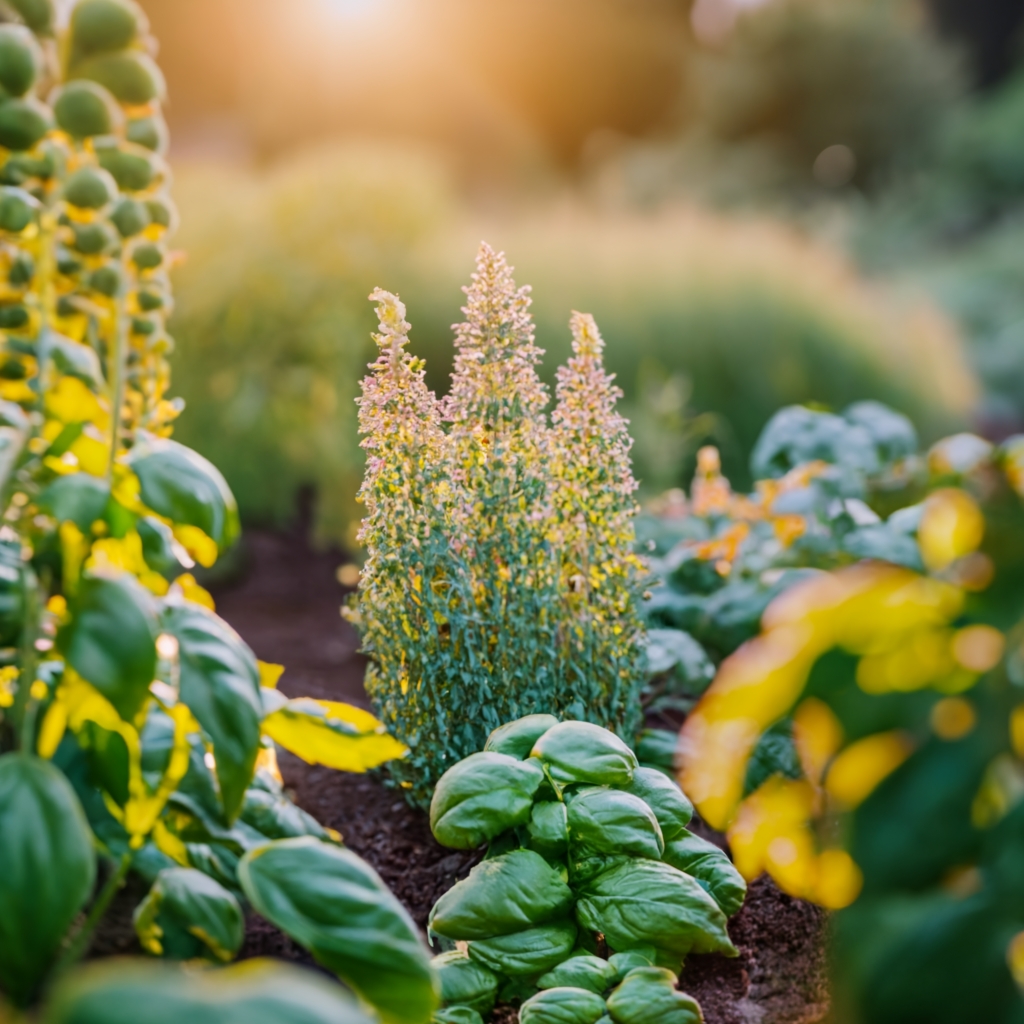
23, 123
108, 280
93, 239
21, 60
163, 212
23, 269
85, 109
147, 256
91, 188
134, 168
66, 306
150, 133
132, 77
13, 369
13, 317
37, 14
141, 325
67, 263
18, 209
130, 217
20, 167
151, 300
104, 26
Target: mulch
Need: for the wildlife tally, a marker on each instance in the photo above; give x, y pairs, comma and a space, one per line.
285, 603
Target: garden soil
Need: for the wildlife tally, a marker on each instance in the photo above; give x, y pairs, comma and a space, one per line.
285, 603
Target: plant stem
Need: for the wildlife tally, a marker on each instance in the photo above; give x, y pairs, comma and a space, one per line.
120, 371
80, 943
29, 661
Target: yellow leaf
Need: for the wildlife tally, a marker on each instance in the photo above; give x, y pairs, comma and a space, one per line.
863, 765
167, 842
92, 453
202, 548
270, 674
191, 591
70, 401
332, 734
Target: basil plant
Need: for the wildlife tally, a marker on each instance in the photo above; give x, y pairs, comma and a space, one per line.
592, 890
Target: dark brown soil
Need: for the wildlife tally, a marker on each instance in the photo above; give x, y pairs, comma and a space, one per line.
286, 605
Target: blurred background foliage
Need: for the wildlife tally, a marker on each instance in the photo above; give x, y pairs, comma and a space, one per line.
761, 201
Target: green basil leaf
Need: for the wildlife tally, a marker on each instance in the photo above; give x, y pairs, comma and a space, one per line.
48, 869
163, 554
335, 905
518, 738
582, 971
648, 995
257, 992
711, 867
670, 805
220, 682
502, 895
609, 821
111, 640
72, 358
526, 953
563, 1006
12, 592
656, 748
464, 982
630, 959
548, 829
457, 1015
78, 498
187, 915
179, 484
645, 902
481, 797
276, 817
581, 752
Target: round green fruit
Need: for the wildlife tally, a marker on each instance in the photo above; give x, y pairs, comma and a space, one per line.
131, 76
148, 256
23, 269
21, 60
149, 132
163, 212
37, 14
130, 217
133, 168
23, 123
93, 239
85, 109
13, 318
104, 26
90, 188
107, 280
18, 209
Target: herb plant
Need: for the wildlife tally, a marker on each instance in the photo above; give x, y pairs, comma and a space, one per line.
592, 886
499, 577
137, 729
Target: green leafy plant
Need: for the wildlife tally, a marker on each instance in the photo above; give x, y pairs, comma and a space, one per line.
137, 729
592, 890
499, 576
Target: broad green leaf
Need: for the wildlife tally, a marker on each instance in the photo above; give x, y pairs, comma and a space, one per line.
711, 867
674, 651
501, 895
12, 592
630, 959
670, 805
47, 870
163, 554
457, 1015
331, 733
548, 829
582, 752
518, 738
79, 497
179, 484
111, 639
647, 903
648, 995
526, 953
482, 796
608, 821
581, 971
276, 817
14, 431
335, 905
563, 1006
220, 683
187, 915
257, 992
72, 358
465, 982
656, 748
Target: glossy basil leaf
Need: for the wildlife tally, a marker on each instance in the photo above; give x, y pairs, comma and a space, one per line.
481, 797
675, 653
218, 860
276, 817
257, 992
608, 821
548, 829
179, 484
589, 865
187, 915
110, 640
711, 867
465, 982
648, 995
670, 805
220, 682
72, 358
647, 903
563, 1006
582, 752
12, 592
457, 1015
47, 870
630, 959
502, 895
335, 905
581, 971
656, 748
518, 738
163, 554
79, 498
526, 953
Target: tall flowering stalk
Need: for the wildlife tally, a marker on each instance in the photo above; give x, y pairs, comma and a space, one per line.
499, 580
